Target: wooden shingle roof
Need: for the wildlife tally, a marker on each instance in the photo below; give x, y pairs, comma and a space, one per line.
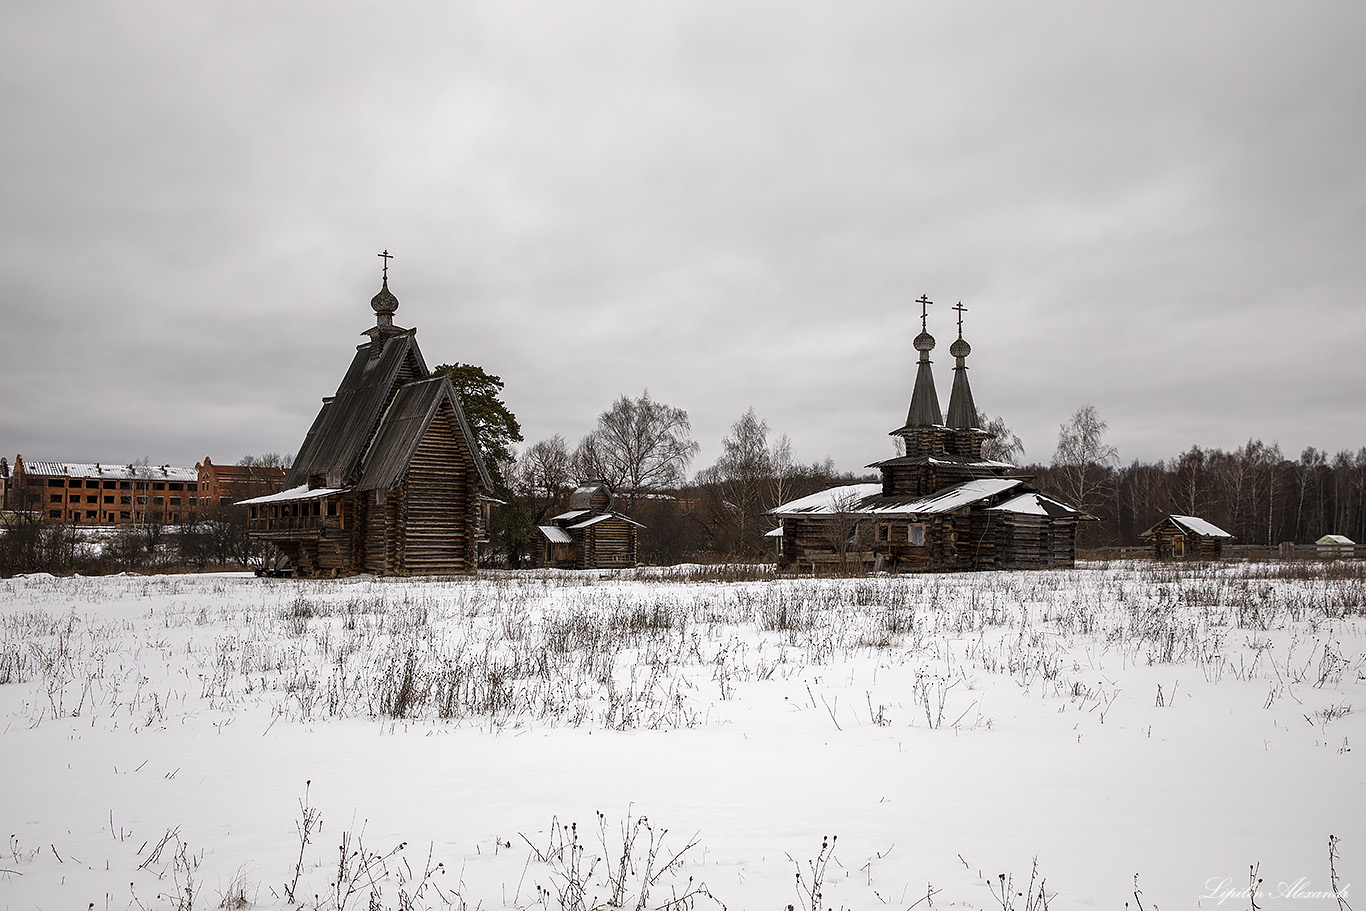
405, 422
347, 420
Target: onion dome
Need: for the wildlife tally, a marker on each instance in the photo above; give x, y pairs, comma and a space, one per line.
384, 304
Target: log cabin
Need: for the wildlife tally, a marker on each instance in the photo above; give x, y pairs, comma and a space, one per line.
1186, 538
590, 535
941, 506
389, 479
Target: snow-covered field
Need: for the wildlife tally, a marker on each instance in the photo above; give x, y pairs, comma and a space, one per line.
1139, 734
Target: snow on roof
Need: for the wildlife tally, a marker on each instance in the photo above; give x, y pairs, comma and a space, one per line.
572, 514
952, 498
775, 533
825, 502
603, 517
981, 463
1034, 504
1199, 526
868, 499
943, 460
555, 535
302, 492
1336, 539
117, 472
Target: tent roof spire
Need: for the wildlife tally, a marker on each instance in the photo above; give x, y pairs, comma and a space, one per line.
924, 410
962, 409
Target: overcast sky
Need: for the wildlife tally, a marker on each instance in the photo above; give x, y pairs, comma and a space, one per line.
1158, 208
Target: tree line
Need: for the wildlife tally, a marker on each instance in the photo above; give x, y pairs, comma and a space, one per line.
643, 448
1254, 492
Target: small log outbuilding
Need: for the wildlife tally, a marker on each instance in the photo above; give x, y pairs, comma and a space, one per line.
939, 507
1186, 538
1335, 546
590, 535
389, 479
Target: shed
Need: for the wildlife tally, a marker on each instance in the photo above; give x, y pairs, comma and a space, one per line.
1336, 546
389, 479
590, 535
1186, 537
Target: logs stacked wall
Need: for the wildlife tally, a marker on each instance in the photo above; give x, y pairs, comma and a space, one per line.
1194, 547
964, 540
605, 544
1036, 542
439, 497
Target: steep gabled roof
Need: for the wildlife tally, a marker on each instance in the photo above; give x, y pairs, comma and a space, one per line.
404, 424
584, 495
342, 429
602, 517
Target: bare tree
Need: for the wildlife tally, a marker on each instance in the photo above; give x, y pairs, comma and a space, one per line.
1083, 460
639, 445
739, 484
544, 472
1189, 481
784, 469
266, 460
842, 525
1001, 444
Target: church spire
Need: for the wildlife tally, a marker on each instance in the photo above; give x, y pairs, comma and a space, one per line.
924, 410
962, 409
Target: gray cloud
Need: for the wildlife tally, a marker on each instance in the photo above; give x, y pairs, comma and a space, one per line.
1154, 208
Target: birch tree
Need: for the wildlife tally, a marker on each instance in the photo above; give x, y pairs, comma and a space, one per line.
1083, 460
639, 445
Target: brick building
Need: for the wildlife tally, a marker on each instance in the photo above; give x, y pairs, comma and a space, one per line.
101, 494
223, 485
96, 493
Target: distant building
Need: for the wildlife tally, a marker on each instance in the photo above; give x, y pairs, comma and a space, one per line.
590, 535
224, 485
1336, 546
1186, 537
939, 507
389, 479
97, 493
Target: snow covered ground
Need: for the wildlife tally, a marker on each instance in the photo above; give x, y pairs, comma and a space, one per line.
1119, 734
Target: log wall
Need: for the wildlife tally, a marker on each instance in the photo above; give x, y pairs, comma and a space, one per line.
440, 505
607, 544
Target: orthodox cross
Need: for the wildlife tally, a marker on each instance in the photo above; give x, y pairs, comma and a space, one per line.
961, 310
924, 303
387, 256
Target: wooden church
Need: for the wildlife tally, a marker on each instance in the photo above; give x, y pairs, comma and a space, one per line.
590, 535
939, 507
389, 479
